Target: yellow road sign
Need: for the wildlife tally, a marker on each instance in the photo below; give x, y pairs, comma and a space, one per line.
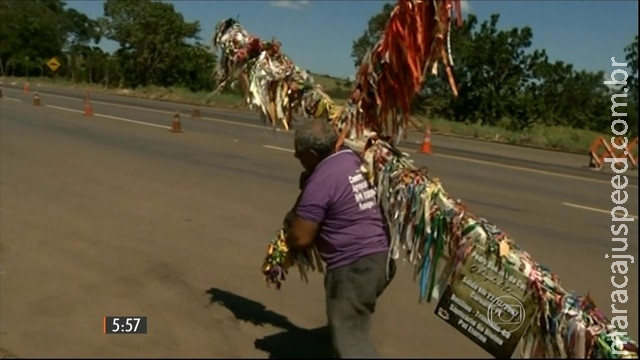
53, 64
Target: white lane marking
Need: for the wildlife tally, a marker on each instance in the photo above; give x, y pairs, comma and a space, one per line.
459, 158
519, 168
278, 148
132, 107
525, 169
111, 117
593, 209
236, 123
229, 122
133, 121
65, 109
11, 99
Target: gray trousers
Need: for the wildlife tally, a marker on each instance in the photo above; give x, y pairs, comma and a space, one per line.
351, 294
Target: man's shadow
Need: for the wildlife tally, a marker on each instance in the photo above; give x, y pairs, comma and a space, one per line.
293, 342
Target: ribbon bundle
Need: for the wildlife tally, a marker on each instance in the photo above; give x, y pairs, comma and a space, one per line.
415, 41
280, 259
270, 81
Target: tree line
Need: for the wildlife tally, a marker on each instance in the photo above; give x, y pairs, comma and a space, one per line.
157, 46
502, 81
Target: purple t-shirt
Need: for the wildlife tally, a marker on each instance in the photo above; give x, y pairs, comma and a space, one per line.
340, 199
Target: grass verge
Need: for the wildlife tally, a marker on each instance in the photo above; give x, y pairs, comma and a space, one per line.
558, 138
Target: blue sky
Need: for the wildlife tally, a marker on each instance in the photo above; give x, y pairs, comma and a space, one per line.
318, 35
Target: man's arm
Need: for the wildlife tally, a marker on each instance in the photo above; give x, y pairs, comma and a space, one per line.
288, 219
302, 233
309, 211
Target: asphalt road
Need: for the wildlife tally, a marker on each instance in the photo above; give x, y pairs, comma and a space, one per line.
115, 215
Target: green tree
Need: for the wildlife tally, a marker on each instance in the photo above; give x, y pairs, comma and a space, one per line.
152, 36
195, 64
493, 70
496, 67
82, 31
31, 32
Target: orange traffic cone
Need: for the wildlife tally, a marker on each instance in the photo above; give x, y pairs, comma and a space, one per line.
176, 125
36, 100
25, 89
196, 113
426, 144
88, 110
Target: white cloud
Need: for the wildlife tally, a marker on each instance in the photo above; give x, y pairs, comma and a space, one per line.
290, 4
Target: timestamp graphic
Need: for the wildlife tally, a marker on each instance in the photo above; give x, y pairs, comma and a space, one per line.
124, 324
